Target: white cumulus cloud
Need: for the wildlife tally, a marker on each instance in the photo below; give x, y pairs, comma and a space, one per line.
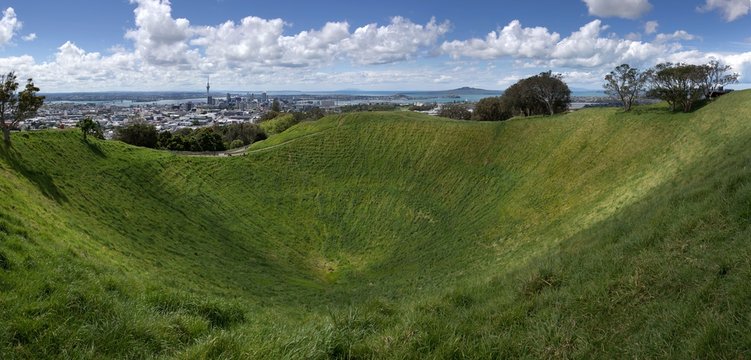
9, 26
731, 9
513, 40
627, 9
158, 38
586, 47
678, 35
650, 27
400, 40
29, 37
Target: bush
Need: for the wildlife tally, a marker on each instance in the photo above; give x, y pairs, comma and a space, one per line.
138, 133
492, 109
237, 143
455, 111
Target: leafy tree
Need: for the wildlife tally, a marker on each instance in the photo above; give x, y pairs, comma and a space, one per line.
164, 139
246, 133
208, 140
550, 90
455, 111
90, 127
519, 101
139, 133
680, 85
492, 109
543, 94
717, 77
16, 107
625, 84
275, 106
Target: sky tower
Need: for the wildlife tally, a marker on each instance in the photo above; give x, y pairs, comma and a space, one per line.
209, 100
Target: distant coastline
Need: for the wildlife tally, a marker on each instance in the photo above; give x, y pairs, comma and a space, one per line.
120, 98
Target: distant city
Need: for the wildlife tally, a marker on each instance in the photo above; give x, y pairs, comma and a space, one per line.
172, 111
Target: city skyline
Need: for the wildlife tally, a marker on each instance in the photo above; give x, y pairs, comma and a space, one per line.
158, 45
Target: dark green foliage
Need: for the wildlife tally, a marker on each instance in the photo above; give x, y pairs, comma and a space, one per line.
543, 94
138, 132
626, 84
275, 106
208, 140
455, 111
16, 107
369, 107
217, 138
90, 127
310, 115
424, 107
680, 85
492, 109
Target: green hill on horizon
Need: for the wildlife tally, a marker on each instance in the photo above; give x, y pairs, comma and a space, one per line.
388, 235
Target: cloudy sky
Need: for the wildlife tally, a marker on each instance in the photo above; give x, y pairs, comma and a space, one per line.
97, 45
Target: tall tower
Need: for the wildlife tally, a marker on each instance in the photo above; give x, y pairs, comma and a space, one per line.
209, 100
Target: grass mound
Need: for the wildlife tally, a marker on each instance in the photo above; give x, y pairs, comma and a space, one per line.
388, 235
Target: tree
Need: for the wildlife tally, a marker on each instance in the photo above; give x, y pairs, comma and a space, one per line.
625, 84
717, 78
492, 109
680, 85
518, 99
543, 94
90, 127
275, 106
208, 140
551, 91
139, 133
16, 107
455, 111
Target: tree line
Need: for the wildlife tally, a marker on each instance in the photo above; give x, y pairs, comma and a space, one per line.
542, 94
681, 85
216, 138
139, 132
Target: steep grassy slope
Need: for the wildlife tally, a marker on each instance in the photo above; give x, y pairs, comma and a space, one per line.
388, 235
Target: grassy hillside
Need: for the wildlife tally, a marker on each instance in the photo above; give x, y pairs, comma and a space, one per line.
388, 235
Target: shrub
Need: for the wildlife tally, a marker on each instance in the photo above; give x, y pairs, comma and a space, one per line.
455, 111
138, 133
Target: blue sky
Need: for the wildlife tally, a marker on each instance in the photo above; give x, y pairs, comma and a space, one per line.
88, 45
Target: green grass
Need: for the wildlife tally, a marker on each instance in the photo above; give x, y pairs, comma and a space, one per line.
388, 235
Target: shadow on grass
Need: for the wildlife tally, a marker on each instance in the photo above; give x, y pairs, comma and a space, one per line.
95, 148
663, 108
41, 180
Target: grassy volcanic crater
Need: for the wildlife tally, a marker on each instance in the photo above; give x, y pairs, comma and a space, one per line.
388, 235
